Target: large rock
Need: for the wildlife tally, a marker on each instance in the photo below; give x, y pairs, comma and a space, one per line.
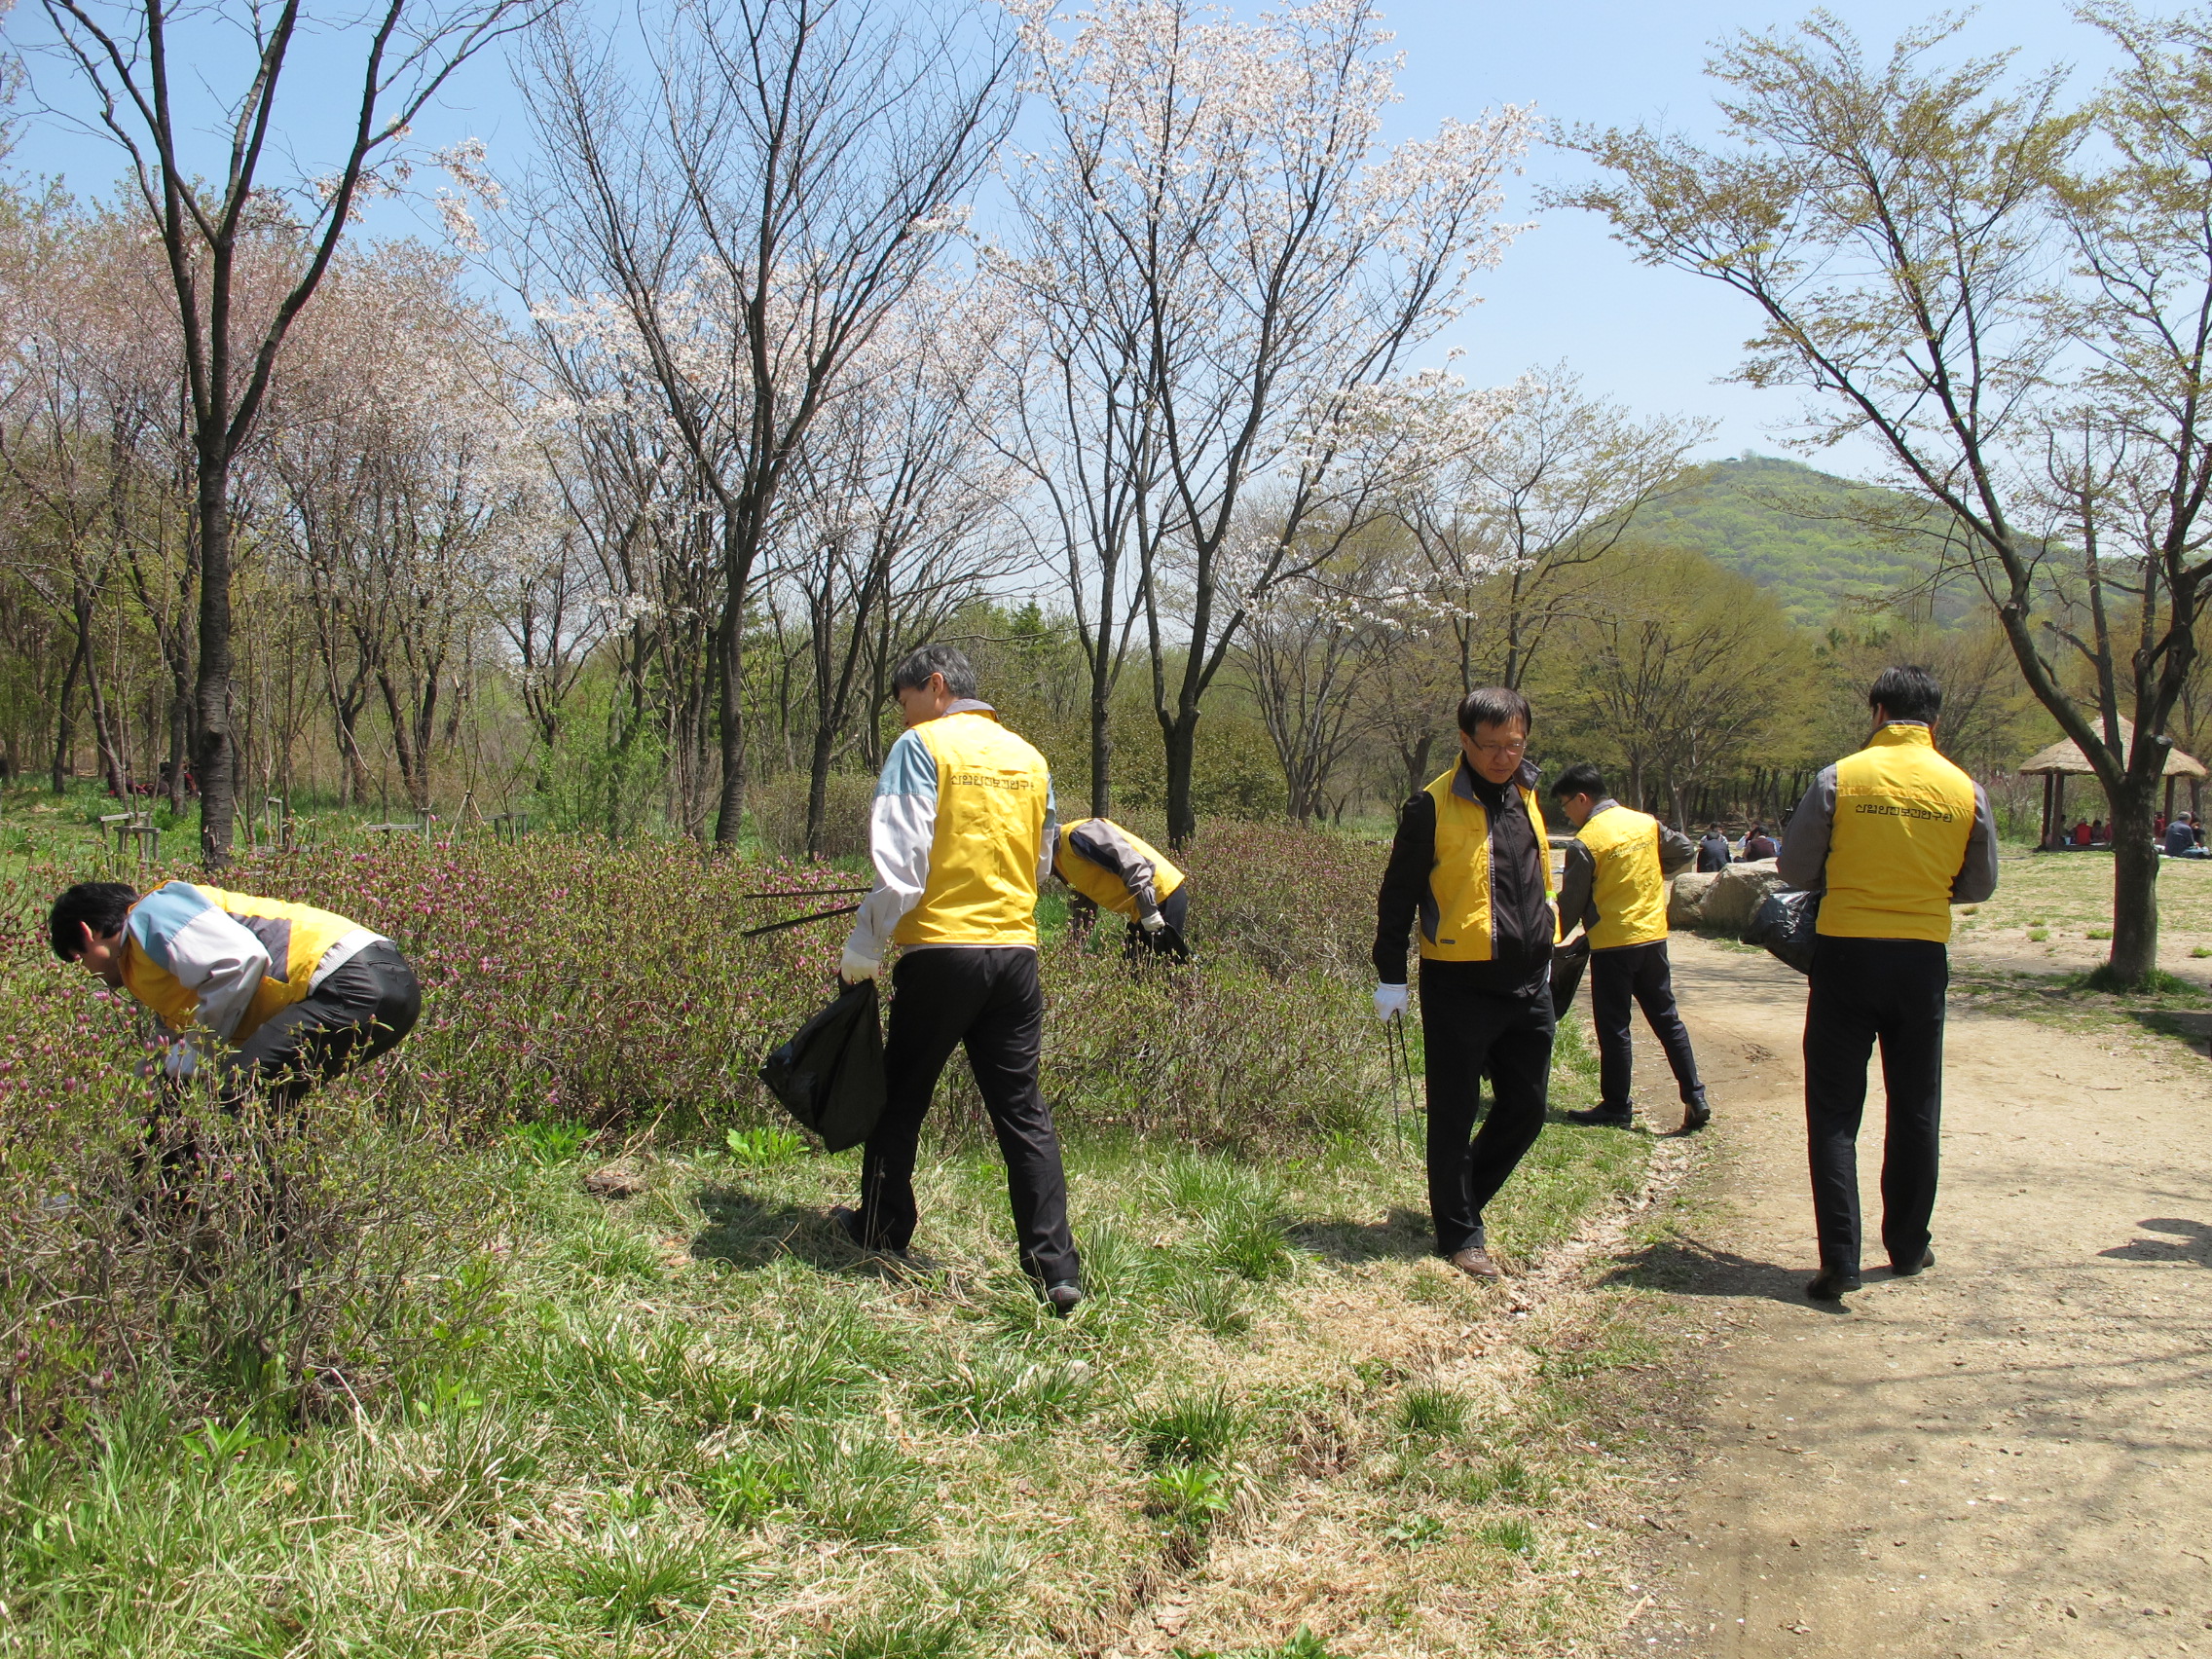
1736, 896
1688, 898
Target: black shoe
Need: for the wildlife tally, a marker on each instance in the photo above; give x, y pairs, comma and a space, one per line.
1831, 1286
1695, 1116
1065, 1296
847, 1221
1602, 1117
1927, 1261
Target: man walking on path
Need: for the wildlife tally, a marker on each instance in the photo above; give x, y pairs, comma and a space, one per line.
1894, 835
1713, 853
291, 996
961, 833
1615, 888
1115, 870
1470, 861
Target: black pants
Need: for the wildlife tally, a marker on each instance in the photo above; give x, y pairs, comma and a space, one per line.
1865, 991
1636, 972
990, 1001
1169, 943
1465, 1033
362, 1008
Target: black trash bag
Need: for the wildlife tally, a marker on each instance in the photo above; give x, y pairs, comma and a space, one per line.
1784, 926
1567, 963
829, 1076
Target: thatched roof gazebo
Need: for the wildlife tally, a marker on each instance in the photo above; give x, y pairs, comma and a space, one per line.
2064, 760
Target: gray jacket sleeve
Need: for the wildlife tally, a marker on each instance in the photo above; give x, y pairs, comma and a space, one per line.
1977, 876
1677, 851
1104, 845
1576, 884
1805, 860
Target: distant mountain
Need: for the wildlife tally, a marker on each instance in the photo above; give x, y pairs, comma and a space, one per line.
1820, 565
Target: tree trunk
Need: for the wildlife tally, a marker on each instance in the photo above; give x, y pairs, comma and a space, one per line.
108, 740
216, 758
2134, 884
1181, 737
818, 786
1415, 761
180, 741
64, 733
1101, 750
730, 664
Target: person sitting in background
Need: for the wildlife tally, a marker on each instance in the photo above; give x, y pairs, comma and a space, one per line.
2182, 839
1111, 870
2158, 828
1713, 852
1758, 845
297, 996
2080, 834
2097, 837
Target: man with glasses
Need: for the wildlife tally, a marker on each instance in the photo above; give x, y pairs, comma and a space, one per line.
1473, 865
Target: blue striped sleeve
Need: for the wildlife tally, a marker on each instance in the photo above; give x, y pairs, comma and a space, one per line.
157, 920
910, 769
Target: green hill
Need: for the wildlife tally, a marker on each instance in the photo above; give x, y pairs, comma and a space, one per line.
1786, 526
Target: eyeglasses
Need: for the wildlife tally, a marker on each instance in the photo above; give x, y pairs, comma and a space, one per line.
1517, 747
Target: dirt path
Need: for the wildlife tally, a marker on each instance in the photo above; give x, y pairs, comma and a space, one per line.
2011, 1454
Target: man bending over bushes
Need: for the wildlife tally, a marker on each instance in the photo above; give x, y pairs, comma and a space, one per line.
297, 996
961, 833
1470, 861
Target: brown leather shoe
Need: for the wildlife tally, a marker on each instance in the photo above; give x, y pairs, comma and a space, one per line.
1474, 1261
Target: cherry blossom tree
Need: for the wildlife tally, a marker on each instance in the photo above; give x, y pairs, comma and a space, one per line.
740, 226
125, 58
1260, 262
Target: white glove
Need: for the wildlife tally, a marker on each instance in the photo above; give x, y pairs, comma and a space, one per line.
1391, 1000
1153, 923
180, 1062
853, 967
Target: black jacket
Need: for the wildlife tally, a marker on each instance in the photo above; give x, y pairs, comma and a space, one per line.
1521, 915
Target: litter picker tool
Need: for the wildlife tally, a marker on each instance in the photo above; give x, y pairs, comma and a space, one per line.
798, 921
1401, 1065
809, 893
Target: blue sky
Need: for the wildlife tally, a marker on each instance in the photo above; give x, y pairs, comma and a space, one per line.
1658, 341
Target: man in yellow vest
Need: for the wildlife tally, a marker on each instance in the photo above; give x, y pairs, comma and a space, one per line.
1894, 835
961, 833
1471, 866
1116, 870
293, 996
1614, 887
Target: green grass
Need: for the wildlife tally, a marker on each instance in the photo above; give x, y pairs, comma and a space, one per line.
756, 1450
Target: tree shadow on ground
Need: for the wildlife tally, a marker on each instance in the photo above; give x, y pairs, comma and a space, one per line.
1402, 1235
1684, 1267
2192, 1243
749, 1230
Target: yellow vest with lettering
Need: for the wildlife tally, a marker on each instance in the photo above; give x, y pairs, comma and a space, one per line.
1903, 818
1458, 883
296, 937
1101, 886
1628, 888
992, 790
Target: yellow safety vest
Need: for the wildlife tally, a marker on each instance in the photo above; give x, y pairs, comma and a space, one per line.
1458, 883
1903, 815
296, 936
1628, 888
1101, 886
992, 790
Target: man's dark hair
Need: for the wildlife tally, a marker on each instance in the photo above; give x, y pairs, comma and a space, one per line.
948, 660
1493, 705
1907, 692
1581, 777
99, 905
1712, 829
